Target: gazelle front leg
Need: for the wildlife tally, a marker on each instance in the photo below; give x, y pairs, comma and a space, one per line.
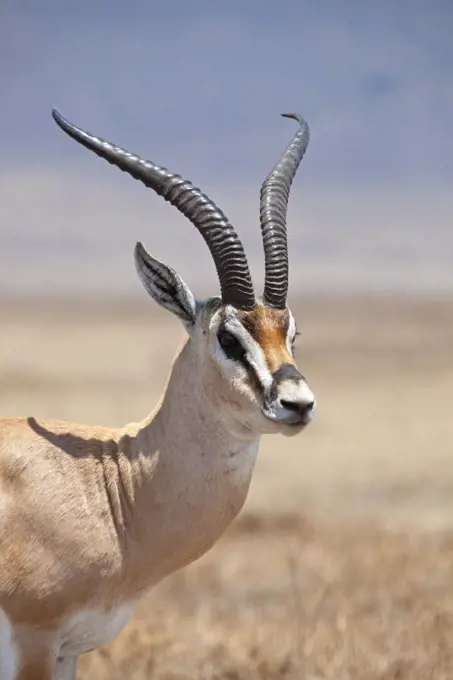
65, 668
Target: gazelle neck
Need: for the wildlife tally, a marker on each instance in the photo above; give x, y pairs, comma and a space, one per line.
191, 467
192, 417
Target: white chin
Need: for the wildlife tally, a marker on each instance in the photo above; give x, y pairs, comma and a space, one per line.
291, 430
284, 427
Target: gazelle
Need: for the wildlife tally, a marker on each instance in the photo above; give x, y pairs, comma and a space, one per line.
92, 517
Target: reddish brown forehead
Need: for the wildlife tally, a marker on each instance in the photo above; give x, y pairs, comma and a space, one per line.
269, 327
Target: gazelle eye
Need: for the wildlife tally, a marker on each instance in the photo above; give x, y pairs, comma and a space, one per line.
226, 339
230, 345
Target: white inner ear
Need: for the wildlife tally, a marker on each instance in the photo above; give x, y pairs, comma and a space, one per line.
162, 297
190, 301
169, 301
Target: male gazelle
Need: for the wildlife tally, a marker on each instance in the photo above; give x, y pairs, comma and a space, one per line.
92, 517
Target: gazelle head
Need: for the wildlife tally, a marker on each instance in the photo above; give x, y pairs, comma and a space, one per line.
242, 346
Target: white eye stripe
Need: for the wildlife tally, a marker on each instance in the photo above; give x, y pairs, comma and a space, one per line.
291, 333
255, 354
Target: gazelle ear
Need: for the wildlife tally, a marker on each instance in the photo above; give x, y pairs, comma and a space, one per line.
165, 286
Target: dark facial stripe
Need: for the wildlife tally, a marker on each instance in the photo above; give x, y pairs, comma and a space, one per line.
252, 375
285, 372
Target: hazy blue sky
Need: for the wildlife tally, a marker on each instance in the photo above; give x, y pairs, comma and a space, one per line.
199, 87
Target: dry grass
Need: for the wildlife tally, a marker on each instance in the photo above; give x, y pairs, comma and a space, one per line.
292, 601
341, 565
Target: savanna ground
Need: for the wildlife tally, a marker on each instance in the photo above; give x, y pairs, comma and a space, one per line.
341, 564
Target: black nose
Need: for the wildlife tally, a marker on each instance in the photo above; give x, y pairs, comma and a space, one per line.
302, 408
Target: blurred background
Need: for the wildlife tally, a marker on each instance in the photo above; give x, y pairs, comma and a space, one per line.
340, 565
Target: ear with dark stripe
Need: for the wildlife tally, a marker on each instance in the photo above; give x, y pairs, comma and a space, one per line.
165, 286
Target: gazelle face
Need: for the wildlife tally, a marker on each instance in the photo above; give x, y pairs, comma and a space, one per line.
252, 355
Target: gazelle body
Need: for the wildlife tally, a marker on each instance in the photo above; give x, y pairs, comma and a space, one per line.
92, 517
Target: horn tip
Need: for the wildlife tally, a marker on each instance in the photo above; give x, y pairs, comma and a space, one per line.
294, 116
58, 118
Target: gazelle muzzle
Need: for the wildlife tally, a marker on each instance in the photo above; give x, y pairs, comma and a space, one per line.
289, 400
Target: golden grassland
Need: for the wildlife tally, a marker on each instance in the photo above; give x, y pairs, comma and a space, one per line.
341, 564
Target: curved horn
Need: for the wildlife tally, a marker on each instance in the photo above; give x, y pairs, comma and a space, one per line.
274, 196
219, 234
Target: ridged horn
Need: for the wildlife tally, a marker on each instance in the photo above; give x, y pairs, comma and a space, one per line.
219, 234
274, 196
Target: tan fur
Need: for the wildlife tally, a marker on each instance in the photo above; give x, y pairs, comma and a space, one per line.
91, 517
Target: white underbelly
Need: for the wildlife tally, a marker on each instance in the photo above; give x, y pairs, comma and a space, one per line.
8, 651
89, 629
